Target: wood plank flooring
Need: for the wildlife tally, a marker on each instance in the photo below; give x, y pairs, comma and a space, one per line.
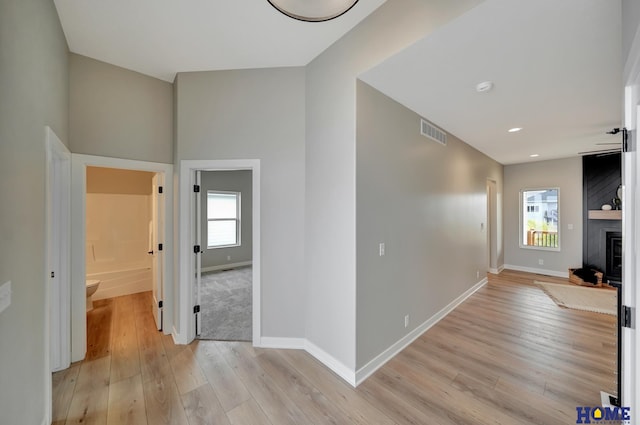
508, 355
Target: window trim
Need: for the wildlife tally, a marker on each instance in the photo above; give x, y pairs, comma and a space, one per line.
521, 219
237, 220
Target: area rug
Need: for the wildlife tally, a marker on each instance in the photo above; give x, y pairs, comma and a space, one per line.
582, 298
226, 305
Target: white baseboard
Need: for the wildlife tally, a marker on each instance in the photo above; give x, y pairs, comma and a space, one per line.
226, 266
177, 338
538, 271
332, 363
283, 343
375, 364
496, 271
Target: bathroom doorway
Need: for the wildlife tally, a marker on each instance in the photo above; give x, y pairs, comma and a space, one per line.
121, 215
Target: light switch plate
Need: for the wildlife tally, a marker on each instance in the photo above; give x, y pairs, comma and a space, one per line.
5, 296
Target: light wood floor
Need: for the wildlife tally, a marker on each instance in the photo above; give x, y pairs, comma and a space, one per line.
508, 355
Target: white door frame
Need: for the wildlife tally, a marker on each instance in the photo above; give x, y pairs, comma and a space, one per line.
631, 231
58, 256
79, 164
185, 332
492, 226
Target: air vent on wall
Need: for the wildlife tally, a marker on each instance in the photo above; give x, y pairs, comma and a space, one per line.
432, 132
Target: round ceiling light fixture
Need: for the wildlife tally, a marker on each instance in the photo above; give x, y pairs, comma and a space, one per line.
313, 10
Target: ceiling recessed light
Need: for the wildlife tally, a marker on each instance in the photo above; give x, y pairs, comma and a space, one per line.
515, 129
534, 155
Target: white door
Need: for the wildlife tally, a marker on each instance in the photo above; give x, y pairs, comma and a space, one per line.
198, 251
58, 251
156, 238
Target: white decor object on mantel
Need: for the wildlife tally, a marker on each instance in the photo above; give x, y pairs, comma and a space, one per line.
606, 207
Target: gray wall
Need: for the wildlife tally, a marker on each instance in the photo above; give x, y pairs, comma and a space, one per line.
630, 22
119, 113
330, 162
234, 181
34, 84
565, 174
428, 204
258, 114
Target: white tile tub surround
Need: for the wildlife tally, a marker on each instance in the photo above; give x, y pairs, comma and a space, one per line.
121, 282
118, 243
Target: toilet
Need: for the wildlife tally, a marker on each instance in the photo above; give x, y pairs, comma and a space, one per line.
92, 287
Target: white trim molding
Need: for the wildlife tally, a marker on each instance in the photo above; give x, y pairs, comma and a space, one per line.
537, 271
282, 343
367, 370
331, 362
496, 271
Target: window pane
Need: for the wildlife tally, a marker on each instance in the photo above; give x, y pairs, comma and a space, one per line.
222, 205
540, 218
221, 233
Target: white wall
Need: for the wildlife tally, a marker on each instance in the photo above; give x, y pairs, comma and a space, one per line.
330, 233
257, 114
565, 174
34, 84
233, 181
428, 204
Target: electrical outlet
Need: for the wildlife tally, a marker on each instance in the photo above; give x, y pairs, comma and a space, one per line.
381, 249
541, 262
228, 258
477, 274
406, 321
569, 226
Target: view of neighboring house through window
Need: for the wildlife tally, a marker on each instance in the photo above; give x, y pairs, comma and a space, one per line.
539, 218
223, 219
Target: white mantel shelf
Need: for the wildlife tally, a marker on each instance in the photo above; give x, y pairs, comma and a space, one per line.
605, 215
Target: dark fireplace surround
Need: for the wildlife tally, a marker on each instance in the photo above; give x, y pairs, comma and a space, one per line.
602, 239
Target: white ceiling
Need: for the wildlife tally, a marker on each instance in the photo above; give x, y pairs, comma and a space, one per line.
556, 65
162, 37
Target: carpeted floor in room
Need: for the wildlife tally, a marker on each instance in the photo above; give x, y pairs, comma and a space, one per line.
226, 305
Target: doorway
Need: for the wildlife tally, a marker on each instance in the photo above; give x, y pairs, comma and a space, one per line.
191, 243
82, 250
123, 232
492, 227
223, 288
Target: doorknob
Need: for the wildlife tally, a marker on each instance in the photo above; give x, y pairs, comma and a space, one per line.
150, 252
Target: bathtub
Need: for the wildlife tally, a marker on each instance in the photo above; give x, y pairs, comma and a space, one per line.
122, 282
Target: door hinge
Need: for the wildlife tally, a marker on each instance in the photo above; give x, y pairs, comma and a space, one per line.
160, 304
196, 309
196, 188
160, 189
626, 318
196, 249
159, 247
